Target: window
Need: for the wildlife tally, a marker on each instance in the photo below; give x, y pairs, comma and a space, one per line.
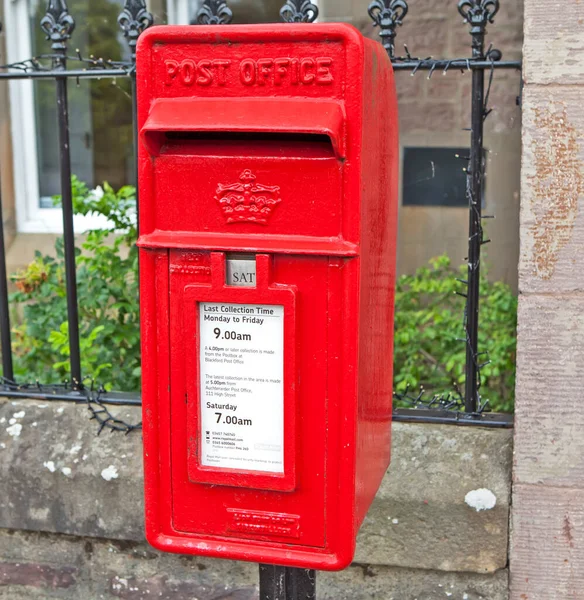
435, 177
100, 110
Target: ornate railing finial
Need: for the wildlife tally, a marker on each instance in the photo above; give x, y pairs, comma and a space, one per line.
58, 24
299, 11
478, 13
133, 20
213, 12
388, 15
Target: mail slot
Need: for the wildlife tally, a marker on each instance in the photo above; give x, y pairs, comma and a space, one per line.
268, 206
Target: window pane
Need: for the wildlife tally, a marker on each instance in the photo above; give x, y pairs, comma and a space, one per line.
100, 110
248, 11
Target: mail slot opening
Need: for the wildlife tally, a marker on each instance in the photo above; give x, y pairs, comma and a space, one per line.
254, 143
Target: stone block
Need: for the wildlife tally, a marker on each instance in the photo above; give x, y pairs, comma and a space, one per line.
421, 518
554, 42
550, 391
552, 191
547, 536
59, 476
40, 565
92, 569
363, 582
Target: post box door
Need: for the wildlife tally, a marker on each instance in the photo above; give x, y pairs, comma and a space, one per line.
285, 504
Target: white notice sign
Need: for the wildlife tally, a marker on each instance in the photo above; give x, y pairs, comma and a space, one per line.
242, 388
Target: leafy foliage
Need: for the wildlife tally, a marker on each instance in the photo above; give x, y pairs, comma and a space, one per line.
107, 286
429, 334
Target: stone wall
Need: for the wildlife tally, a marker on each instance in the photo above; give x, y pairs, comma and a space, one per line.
547, 545
71, 518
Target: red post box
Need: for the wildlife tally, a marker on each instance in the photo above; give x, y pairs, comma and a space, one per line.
268, 172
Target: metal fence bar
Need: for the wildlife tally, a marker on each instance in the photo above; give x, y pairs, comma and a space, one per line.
5, 330
5, 336
65, 394
456, 64
477, 13
68, 233
449, 417
70, 73
58, 24
272, 583
133, 20
398, 65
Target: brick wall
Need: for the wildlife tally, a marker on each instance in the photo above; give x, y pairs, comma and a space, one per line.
547, 544
437, 112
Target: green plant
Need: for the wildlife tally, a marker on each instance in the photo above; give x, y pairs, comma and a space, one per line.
107, 285
429, 326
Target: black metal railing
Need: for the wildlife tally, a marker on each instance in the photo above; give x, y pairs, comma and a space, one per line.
276, 583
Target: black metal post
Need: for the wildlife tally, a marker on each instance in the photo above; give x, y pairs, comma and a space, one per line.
474, 243
284, 583
477, 13
133, 20
68, 233
5, 337
135, 126
58, 24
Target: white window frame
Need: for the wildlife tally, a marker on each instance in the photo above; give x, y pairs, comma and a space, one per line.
30, 217
178, 11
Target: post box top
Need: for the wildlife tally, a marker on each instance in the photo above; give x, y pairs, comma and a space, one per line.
267, 129
261, 33
298, 60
